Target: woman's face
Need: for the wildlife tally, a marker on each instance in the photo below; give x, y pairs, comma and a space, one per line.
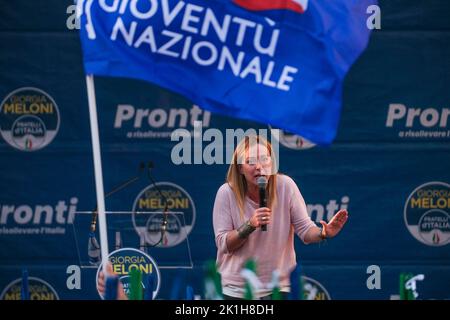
257, 162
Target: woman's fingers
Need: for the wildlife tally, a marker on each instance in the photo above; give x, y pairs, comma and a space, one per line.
101, 277
263, 210
264, 220
101, 282
341, 217
264, 216
109, 268
342, 214
261, 216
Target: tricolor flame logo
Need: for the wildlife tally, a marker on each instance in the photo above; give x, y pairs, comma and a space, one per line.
436, 238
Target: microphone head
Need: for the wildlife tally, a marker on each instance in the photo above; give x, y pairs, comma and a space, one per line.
261, 181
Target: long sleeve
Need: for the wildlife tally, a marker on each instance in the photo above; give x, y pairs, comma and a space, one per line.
299, 214
222, 220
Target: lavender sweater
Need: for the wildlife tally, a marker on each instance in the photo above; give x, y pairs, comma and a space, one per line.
272, 249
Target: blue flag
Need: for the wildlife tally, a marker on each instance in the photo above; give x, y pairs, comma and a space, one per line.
279, 62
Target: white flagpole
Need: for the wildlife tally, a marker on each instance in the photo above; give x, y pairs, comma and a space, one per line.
97, 169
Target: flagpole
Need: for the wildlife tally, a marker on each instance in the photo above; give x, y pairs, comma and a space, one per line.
97, 169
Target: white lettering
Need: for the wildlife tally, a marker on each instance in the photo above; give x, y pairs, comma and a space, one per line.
124, 112
168, 15
212, 54
164, 49
25, 214
189, 17
211, 20
396, 111
144, 15
285, 78
270, 50
127, 35
243, 25
112, 8
147, 37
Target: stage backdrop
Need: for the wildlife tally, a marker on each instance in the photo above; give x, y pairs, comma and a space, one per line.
389, 165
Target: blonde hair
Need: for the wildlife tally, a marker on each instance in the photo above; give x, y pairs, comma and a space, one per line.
237, 181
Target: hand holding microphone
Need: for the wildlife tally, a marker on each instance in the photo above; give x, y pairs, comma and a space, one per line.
261, 218
265, 218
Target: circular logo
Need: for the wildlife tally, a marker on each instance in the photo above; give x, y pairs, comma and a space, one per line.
38, 289
427, 213
157, 228
29, 119
314, 290
126, 259
293, 141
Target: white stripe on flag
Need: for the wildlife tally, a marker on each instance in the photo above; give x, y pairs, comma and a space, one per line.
303, 3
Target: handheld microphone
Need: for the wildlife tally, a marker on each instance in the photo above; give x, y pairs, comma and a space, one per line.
262, 183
